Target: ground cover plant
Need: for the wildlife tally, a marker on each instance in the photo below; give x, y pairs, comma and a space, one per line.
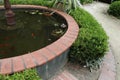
29, 74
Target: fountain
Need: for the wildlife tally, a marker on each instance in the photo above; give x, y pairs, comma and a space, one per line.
9, 13
34, 37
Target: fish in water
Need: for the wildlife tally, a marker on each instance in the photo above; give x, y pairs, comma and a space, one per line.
33, 35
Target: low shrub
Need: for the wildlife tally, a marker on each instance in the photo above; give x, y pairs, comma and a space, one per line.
114, 9
91, 43
30, 74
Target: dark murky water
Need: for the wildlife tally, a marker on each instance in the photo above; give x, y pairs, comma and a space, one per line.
32, 31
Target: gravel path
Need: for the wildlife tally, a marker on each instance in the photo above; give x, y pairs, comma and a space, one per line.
112, 27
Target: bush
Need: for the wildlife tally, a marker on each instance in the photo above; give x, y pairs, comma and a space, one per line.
91, 43
114, 9
30, 74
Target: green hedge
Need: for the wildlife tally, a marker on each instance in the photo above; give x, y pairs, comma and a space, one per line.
30, 74
114, 9
92, 42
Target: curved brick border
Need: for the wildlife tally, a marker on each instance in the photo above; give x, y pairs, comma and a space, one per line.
42, 56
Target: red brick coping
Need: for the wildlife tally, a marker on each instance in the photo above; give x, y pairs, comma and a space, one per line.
42, 56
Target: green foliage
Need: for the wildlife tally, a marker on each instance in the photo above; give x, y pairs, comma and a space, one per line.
34, 2
91, 43
114, 9
30, 74
66, 5
86, 1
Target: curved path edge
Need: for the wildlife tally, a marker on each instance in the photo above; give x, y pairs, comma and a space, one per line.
108, 70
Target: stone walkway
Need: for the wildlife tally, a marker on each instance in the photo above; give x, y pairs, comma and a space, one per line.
64, 75
73, 71
112, 27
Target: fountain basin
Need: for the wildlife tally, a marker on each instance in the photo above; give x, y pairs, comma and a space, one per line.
47, 58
